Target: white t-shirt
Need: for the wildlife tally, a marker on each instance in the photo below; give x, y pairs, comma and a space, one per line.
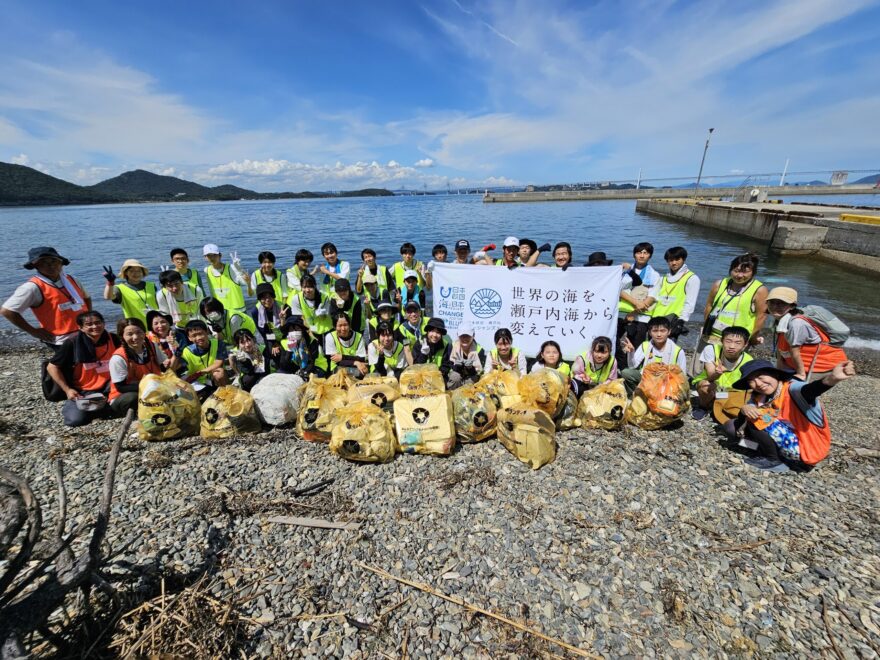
637, 357
373, 355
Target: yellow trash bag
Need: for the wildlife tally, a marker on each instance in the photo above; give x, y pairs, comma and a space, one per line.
362, 432
474, 414
498, 384
228, 412
341, 379
662, 397
568, 419
425, 425
168, 407
422, 380
378, 390
546, 389
529, 434
604, 406
318, 402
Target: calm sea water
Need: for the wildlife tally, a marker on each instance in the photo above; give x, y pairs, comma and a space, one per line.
91, 236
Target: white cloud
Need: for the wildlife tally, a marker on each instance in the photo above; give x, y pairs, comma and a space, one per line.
20, 159
424, 162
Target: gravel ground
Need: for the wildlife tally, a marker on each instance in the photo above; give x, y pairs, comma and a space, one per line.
629, 544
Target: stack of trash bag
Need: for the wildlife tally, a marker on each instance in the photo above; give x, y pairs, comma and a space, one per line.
546, 389
422, 380
604, 406
425, 424
168, 407
501, 386
662, 397
228, 412
568, 418
528, 433
276, 398
475, 414
362, 432
379, 390
341, 379
319, 398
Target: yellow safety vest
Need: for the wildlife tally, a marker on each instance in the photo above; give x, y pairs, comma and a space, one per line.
247, 323
398, 270
191, 279
409, 336
294, 277
225, 289
738, 309
196, 363
648, 352
277, 284
497, 365
320, 361
319, 325
600, 375
728, 378
357, 338
389, 360
136, 303
671, 298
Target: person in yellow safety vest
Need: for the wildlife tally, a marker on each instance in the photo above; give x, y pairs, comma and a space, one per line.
269, 317
594, 367
204, 358
177, 299
659, 348
635, 307
434, 347
224, 323
136, 295
504, 356
302, 354
225, 281
721, 368
349, 302
738, 299
676, 292
190, 276
302, 263
413, 326
54, 298
268, 274
373, 280
332, 270
411, 291
346, 349
467, 358
248, 360
550, 357
407, 263
387, 355
385, 311
313, 307
511, 253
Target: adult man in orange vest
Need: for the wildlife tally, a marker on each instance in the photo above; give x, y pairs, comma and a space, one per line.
54, 297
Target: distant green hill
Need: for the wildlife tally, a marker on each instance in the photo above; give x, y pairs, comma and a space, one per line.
21, 186
871, 178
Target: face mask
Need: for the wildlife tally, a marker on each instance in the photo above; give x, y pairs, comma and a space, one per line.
215, 316
296, 335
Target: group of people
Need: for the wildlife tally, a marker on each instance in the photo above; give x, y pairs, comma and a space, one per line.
318, 318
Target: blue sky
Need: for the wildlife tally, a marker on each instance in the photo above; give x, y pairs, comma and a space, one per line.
321, 95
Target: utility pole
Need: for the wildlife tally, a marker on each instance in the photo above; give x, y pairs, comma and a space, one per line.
784, 172
702, 162
639, 182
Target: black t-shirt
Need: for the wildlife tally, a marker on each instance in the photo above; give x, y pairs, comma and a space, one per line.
64, 357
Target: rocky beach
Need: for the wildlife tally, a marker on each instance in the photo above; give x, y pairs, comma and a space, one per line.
636, 543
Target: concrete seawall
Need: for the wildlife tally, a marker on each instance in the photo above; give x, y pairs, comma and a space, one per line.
646, 193
838, 233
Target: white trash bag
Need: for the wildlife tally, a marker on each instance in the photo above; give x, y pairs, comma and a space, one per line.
276, 398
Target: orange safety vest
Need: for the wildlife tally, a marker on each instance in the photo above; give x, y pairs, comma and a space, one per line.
94, 376
813, 441
136, 371
58, 311
816, 357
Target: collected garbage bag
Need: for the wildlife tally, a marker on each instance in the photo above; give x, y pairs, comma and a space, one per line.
228, 412
422, 380
528, 433
425, 425
474, 414
604, 406
277, 397
568, 419
362, 432
498, 384
662, 397
546, 389
319, 400
168, 407
378, 390
341, 379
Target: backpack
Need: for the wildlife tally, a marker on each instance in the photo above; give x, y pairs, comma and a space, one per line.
838, 332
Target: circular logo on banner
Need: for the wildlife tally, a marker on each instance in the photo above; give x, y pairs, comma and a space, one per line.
485, 303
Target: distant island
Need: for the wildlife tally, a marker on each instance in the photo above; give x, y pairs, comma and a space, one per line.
25, 186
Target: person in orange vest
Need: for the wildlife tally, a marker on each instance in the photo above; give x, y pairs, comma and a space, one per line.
801, 345
81, 368
129, 364
54, 297
783, 416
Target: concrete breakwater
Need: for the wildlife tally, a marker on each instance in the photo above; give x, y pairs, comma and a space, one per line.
646, 193
839, 233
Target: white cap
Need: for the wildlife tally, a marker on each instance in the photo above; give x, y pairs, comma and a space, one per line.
210, 248
410, 273
466, 329
511, 241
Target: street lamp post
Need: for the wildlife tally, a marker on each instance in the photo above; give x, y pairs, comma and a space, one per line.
702, 162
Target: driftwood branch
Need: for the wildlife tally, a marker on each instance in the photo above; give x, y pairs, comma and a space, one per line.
35, 527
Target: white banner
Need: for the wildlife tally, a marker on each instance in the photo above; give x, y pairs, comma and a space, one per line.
571, 307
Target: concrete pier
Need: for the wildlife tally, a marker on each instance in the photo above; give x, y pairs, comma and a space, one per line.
646, 193
841, 233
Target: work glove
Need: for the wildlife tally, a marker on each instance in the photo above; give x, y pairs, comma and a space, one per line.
487, 248
544, 248
430, 266
109, 275
480, 255
426, 349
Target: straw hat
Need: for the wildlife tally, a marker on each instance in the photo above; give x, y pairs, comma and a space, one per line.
132, 263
